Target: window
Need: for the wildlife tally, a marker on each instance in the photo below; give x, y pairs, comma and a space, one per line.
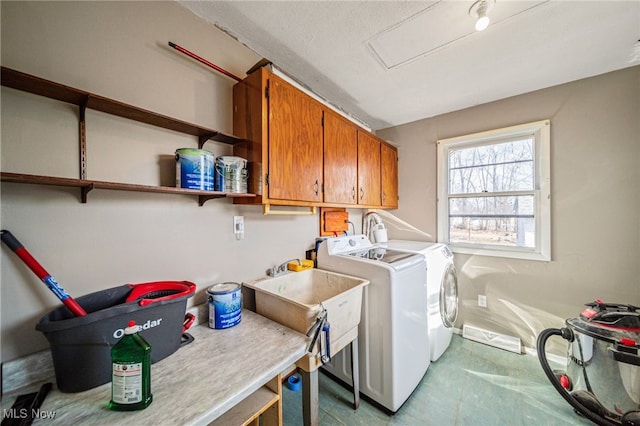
494, 192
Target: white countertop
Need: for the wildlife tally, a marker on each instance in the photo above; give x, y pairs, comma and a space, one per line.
194, 385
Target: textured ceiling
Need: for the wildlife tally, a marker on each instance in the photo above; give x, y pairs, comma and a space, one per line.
392, 62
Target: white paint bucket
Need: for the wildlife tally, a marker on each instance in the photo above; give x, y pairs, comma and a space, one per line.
194, 169
225, 305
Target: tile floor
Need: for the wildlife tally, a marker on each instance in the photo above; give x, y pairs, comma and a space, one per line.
471, 384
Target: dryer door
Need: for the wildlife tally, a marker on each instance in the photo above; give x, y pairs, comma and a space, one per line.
449, 296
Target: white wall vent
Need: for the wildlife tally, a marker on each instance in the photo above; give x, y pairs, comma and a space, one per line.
502, 341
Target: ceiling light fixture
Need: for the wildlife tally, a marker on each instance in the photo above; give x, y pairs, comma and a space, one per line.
479, 10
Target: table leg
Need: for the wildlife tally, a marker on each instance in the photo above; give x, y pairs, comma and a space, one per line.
355, 373
310, 397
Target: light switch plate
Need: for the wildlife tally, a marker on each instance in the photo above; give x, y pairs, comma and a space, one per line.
238, 227
482, 300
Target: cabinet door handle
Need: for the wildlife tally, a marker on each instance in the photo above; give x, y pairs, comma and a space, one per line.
316, 187
361, 193
353, 192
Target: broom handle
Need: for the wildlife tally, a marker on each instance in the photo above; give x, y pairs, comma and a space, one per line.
204, 61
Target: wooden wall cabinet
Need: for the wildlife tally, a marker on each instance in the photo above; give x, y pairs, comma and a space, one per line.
295, 144
250, 122
340, 160
282, 128
368, 169
301, 153
389, 175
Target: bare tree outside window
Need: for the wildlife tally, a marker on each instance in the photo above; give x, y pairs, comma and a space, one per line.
491, 198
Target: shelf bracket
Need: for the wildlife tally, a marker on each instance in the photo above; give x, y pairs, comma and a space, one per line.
82, 138
84, 190
204, 198
204, 138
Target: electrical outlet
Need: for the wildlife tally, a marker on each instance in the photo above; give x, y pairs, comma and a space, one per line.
482, 300
238, 227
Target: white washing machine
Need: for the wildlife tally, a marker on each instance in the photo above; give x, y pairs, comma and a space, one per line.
442, 290
393, 340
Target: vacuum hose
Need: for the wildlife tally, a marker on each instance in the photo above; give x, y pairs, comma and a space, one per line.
566, 334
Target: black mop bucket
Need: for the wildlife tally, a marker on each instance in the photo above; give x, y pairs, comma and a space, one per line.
81, 345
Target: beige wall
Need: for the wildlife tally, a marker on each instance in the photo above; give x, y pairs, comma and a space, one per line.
119, 50
595, 157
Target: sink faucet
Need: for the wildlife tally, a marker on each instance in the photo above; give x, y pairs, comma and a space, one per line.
281, 269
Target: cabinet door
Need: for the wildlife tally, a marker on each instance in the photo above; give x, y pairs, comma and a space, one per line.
389, 175
340, 160
295, 144
368, 169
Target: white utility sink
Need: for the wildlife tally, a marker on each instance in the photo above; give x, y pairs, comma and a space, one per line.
294, 300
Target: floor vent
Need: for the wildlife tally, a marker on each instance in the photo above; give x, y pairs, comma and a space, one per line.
502, 341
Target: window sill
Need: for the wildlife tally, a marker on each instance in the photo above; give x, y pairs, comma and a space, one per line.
500, 252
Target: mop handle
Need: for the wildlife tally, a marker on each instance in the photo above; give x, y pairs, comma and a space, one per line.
15, 245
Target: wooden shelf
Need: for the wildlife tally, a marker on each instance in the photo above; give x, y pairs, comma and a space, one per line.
248, 410
263, 407
39, 86
88, 185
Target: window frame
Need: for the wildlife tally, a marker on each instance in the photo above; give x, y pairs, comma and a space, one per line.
541, 131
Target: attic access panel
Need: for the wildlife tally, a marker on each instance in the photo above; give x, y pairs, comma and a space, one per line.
441, 24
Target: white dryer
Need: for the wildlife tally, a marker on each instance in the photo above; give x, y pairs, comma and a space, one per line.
393, 341
442, 290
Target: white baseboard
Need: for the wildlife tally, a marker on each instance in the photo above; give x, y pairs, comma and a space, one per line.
502, 341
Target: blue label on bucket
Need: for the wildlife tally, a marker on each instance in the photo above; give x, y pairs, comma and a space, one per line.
194, 169
225, 309
218, 181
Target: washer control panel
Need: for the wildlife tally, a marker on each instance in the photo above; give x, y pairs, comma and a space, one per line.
339, 245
